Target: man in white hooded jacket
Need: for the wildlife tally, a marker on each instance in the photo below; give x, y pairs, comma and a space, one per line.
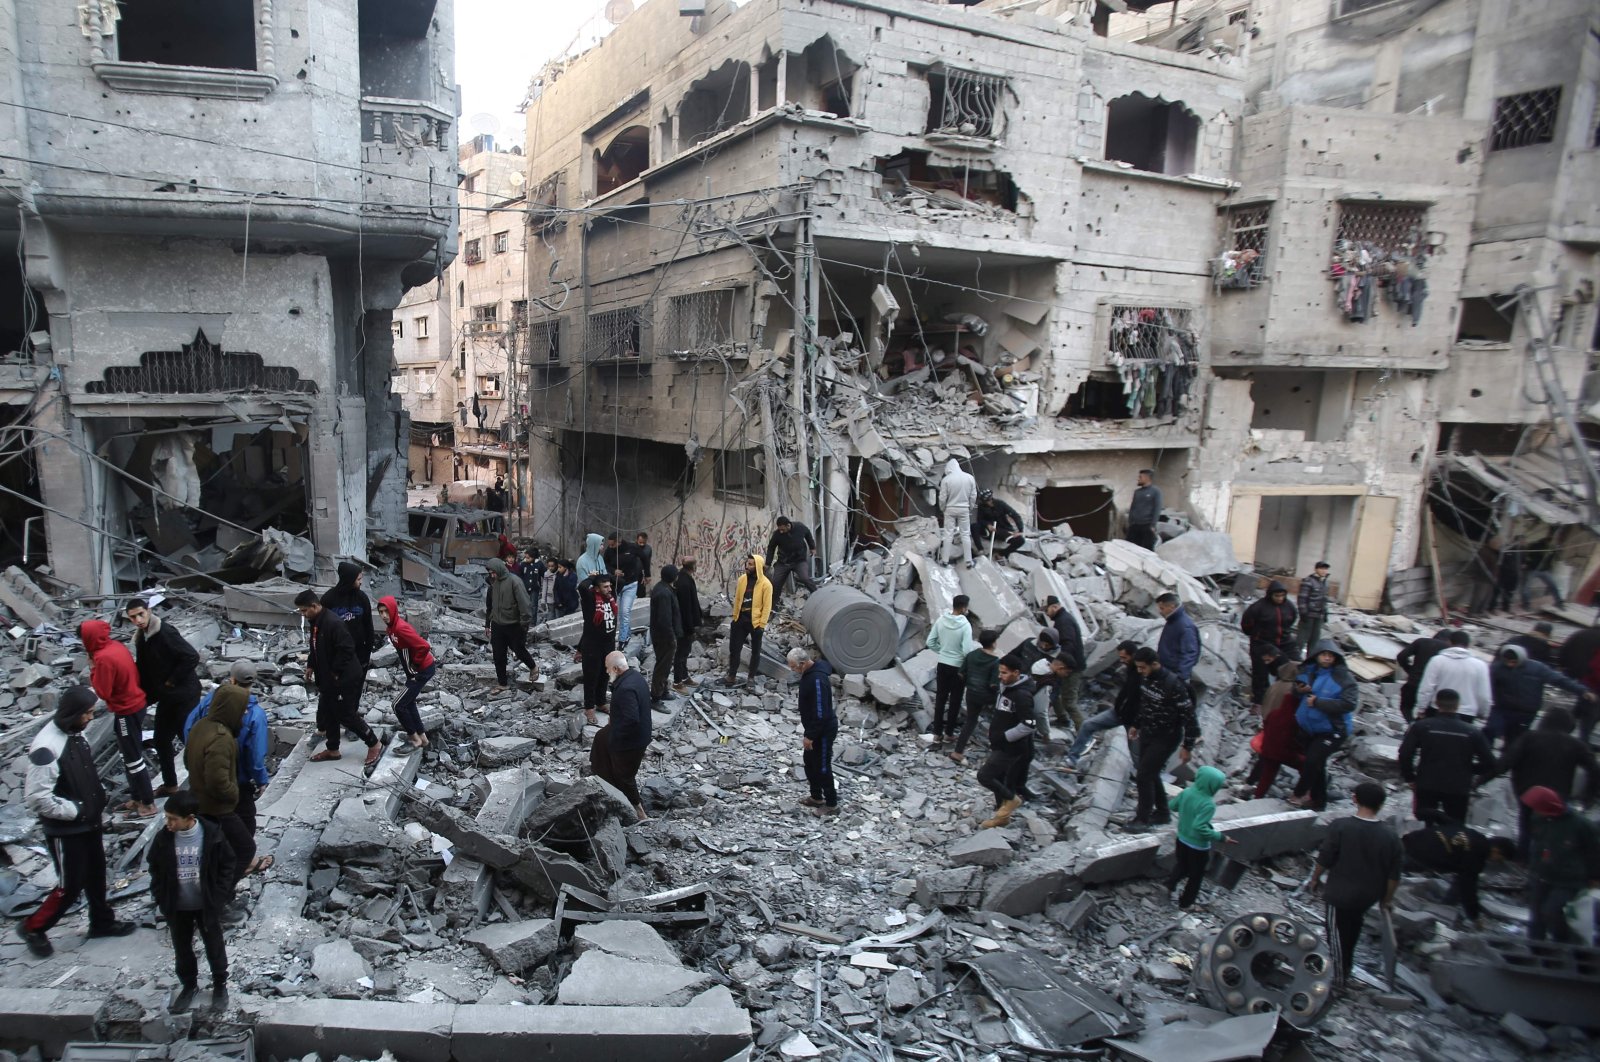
1457, 669
958, 494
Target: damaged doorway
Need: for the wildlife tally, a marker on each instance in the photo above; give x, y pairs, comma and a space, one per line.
1287, 533
1087, 510
21, 517
227, 498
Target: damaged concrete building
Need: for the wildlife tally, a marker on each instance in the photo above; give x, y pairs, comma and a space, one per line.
813, 249
210, 211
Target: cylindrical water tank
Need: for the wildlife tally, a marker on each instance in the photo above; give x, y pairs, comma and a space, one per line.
854, 632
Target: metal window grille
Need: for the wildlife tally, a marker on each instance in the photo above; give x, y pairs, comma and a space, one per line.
544, 342
1247, 231
614, 335
964, 103
1388, 228
699, 322
199, 368
474, 252
739, 476
1525, 119
1154, 333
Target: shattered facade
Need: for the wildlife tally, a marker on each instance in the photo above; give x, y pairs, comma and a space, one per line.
215, 213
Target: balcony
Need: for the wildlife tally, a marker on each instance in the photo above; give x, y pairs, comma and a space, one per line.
408, 151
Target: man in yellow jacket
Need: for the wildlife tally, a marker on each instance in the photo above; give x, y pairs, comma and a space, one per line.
752, 605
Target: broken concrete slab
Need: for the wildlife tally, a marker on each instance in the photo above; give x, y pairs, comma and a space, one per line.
583, 1034
625, 939
1228, 1040
591, 799
601, 979
986, 848
1147, 574
513, 792
1540, 981
295, 1028
890, 686
1047, 1009
1028, 887
955, 887
1200, 553
338, 965
503, 751
993, 599
516, 946
48, 1018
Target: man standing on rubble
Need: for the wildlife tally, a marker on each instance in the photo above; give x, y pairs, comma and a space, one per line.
647, 555
1179, 647
252, 742
166, 665
1269, 621
1005, 772
350, 603
1144, 511
333, 668
818, 727
64, 790
958, 496
619, 747
693, 616
598, 641
115, 677
1549, 755
998, 522
1166, 723
212, 756
1443, 757
507, 614
1517, 684
1565, 857
1070, 640
752, 607
951, 640
1313, 602
1457, 669
622, 561
666, 630
789, 552
1413, 660
1361, 859
592, 561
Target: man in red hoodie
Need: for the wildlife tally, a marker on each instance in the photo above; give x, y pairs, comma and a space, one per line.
115, 679
416, 656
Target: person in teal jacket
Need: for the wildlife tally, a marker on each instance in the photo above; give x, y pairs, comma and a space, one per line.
1192, 850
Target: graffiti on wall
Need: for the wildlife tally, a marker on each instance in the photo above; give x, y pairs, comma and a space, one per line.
719, 548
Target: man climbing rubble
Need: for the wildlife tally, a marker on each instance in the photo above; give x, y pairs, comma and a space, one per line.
1517, 685
1070, 640
115, 678
1123, 711
818, 728
333, 668
1457, 669
1443, 757
1166, 723
416, 660
1005, 772
166, 665
351, 604
212, 757
506, 615
958, 496
789, 553
1179, 647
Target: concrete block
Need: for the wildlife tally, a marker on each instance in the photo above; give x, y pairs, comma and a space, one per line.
598, 979
956, 887
338, 966
890, 686
990, 590
1029, 887
48, 1018
1266, 828
501, 751
516, 946
986, 848
585, 1034
416, 1032
1200, 553
625, 939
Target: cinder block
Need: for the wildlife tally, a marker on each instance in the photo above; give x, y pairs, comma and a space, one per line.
48, 1018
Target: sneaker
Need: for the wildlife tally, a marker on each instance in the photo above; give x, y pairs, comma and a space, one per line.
37, 943
112, 929
1136, 826
182, 999
812, 802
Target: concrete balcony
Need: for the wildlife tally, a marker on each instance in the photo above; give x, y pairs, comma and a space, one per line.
408, 153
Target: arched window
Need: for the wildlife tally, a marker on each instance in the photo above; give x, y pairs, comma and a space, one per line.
627, 156
1149, 133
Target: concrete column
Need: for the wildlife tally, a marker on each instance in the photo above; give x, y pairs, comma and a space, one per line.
755, 88
783, 79
338, 480
77, 553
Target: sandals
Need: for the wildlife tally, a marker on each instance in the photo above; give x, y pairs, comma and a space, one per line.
325, 755
260, 865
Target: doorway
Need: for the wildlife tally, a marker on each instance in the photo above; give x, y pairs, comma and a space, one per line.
1086, 511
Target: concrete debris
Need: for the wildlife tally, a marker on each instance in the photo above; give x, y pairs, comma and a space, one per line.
1200, 553
1046, 1008
1228, 1040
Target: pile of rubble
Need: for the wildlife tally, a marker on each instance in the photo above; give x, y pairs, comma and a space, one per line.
487, 889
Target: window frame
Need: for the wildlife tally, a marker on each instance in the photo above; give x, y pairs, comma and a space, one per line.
182, 79
420, 327
744, 491
502, 242
472, 251
1513, 137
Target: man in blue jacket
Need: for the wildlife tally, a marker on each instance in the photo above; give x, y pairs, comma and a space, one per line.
1329, 698
820, 726
252, 740
1179, 648
1517, 684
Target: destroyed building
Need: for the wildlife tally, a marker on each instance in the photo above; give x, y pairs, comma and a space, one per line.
210, 211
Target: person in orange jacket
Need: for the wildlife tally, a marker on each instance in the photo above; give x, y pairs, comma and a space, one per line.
115, 678
416, 656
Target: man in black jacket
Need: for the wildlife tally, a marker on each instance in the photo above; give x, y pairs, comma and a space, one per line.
1413, 660
598, 607
1536, 643
1312, 602
64, 790
622, 560
1165, 724
666, 630
1443, 756
352, 605
1446, 847
619, 747
789, 553
167, 673
1548, 755
1070, 640
692, 616
1124, 709
192, 877
1269, 621
334, 668
997, 520
1011, 731
818, 727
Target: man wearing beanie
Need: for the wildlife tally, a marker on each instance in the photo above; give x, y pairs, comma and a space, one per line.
252, 742
212, 756
64, 790
1565, 858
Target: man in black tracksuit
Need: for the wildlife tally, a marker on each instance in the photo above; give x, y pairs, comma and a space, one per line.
1005, 772
1443, 756
166, 666
1413, 660
335, 669
1166, 723
1268, 622
1549, 755
350, 603
819, 726
64, 790
692, 616
666, 629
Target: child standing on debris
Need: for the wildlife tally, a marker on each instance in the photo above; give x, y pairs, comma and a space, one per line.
1005, 772
115, 679
332, 667
192, 872
416, 657
980, 672
1360, 859
1192, 847
598, 641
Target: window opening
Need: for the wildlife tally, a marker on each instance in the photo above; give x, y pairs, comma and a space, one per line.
715, 103
474, 252
700, 323
1151, 134
485, 318
614, 335
213, 33
472, 182
1380, 245
964, 103
1525, 119
1154, 354
1243, 263
544, 343
398, 328
489, 385
910, 182
420, 327
830, 75
623, 160
739, 477
502, 242
395, 53
1482, 321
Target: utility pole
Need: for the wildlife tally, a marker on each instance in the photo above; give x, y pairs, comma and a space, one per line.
808, 289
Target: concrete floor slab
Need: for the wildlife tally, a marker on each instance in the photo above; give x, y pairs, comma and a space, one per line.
48, 1018
598, 979
415, 1032
600, 1034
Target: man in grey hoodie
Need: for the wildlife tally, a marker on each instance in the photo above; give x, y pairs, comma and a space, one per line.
507, 613
958, 493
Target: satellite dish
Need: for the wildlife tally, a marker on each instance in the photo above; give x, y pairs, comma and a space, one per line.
483, 123
617, 10
517, 178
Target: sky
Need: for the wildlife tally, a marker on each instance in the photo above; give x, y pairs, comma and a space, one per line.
501, 44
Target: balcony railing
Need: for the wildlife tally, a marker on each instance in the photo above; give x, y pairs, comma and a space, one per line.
485, 328
404, 123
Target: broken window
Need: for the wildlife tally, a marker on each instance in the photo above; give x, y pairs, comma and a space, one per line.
738, 476
544, 343
623, 160
965, 103
909, 181
1384, 230
614, 335
1154, 356
502, 242
1525, 119
485, 319
700, 323
1482, 320
474, 252
717, 102
830, 77
420, 327
396, 55
1149, 133
1243, 263
211, 33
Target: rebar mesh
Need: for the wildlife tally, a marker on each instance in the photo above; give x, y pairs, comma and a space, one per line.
1525, 119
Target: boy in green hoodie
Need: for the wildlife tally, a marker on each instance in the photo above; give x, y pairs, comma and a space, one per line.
1192, 849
